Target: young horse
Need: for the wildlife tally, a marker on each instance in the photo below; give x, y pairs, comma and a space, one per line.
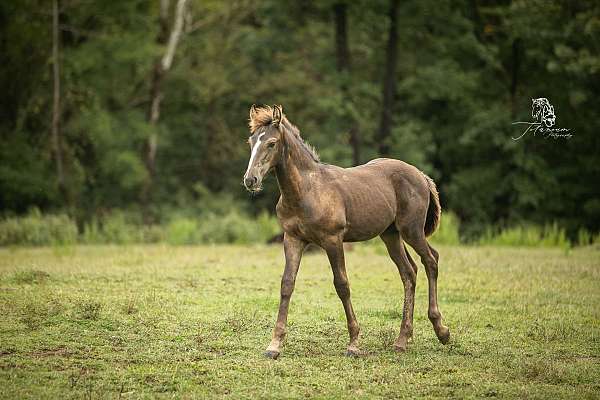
329, 205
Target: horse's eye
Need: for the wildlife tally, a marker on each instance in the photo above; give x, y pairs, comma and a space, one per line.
271, 145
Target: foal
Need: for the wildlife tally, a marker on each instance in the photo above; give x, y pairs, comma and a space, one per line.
329, 205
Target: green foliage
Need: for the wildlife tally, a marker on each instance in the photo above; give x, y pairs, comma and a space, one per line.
117, 230
448, 230
267, 226
233, 227
548, 236
117, 227
120, 228
183, 231
466, 71
585, 238
36, 229
238, 227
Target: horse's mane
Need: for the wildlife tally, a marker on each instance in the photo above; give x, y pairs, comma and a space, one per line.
263, 117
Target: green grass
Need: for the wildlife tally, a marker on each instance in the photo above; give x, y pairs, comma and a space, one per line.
192, 322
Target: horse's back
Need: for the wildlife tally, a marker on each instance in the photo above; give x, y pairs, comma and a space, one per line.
389, 165
368, 197
377, 193
385, 170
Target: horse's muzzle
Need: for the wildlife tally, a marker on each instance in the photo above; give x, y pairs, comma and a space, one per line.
252, 183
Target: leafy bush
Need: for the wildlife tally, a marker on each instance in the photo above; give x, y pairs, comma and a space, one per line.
182, 231
548, 236
36, 229
194, 226
447, 232
120, 228
233, 227
585, 238
267, 226
115, 229
238, 228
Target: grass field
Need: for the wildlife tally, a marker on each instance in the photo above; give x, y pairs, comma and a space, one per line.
192, 322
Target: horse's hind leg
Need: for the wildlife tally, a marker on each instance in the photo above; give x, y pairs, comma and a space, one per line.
408, 274
429, 258
412, 262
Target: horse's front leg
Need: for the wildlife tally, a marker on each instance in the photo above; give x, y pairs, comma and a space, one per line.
335, 253
293, 248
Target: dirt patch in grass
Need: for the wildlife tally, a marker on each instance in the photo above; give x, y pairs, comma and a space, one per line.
29, 277
55, 352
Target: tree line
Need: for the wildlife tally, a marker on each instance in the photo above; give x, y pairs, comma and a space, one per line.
142, 105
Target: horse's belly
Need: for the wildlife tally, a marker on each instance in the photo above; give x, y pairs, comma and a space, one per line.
369, 214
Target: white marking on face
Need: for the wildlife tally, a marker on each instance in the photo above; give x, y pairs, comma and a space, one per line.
254, 151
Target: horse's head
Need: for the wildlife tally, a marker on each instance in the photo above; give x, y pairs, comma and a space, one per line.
543, 112
265, 144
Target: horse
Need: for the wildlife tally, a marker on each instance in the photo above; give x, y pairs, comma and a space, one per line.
328, 205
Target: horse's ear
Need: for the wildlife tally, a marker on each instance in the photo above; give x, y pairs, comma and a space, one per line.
277, 115
252, 112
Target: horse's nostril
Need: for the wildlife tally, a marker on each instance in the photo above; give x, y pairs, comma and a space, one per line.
250, 181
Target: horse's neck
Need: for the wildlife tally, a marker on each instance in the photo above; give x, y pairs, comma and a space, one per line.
293, 170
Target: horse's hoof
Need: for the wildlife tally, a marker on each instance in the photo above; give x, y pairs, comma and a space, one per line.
353, 353
272, 354
400, 348
444, 336
401, 343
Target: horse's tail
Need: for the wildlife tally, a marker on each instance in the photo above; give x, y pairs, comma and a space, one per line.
434, 211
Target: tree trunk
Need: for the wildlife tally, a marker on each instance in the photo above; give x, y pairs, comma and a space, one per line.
343, 64
161, 66
341, 37
56, 110
389, 83
514, 79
